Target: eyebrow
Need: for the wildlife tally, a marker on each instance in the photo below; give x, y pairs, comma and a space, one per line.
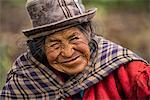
53, 40
72, 35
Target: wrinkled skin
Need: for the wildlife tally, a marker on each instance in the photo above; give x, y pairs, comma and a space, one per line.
68, 51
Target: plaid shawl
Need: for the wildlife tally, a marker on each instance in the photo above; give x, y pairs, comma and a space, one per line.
29, 79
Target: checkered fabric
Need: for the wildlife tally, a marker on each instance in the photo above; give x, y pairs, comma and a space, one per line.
29, 79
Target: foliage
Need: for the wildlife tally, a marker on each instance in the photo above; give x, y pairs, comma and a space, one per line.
4, 64
117, 4
15, 3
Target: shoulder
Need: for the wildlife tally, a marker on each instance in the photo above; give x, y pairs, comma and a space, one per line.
135, 75
135, 67
21, 63
133, 70
131, 79
137, 63
13, 87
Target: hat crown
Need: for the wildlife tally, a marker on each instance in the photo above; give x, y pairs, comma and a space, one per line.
43, 12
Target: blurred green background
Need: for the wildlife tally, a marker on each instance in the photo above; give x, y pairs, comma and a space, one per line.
126, 22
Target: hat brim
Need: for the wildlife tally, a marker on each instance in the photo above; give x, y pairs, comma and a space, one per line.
53, 27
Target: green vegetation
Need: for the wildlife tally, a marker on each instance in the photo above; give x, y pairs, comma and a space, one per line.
119, 4
5, 64
13, 2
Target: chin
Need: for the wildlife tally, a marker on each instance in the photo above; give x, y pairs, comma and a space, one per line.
75, 70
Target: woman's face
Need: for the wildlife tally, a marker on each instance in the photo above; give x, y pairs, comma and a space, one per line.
67, 51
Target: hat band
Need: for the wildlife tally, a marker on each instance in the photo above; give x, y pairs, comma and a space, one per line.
51, 31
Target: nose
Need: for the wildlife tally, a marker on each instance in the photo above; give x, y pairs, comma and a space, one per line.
67, 50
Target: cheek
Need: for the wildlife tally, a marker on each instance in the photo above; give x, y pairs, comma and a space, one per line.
83, 47
52, 56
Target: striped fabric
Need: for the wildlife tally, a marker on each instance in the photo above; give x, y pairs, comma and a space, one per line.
29, 79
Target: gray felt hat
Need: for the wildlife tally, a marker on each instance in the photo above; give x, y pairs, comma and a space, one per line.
49, 16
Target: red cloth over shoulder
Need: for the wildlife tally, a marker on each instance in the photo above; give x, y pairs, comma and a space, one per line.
130, 81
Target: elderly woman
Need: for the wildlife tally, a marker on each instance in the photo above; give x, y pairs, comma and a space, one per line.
66, 60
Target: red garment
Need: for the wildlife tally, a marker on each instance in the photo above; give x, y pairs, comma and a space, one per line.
130, 81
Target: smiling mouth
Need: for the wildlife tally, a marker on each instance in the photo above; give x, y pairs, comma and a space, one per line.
70, 60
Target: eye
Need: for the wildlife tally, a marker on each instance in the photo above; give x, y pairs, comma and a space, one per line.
54, 44
74, 38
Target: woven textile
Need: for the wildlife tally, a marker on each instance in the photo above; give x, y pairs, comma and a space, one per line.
29, 79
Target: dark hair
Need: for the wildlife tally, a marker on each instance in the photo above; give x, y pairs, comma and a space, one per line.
87, 29
36, 47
